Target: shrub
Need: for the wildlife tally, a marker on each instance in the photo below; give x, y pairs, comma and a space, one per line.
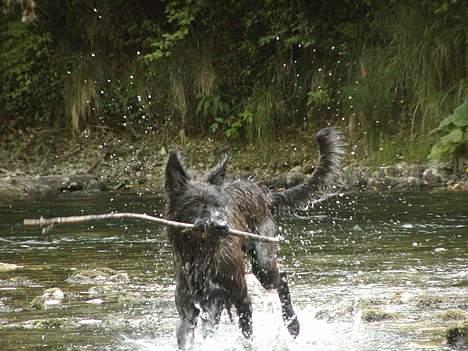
30, 89
455, 139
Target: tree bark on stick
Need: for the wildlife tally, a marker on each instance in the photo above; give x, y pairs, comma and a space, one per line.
47, 223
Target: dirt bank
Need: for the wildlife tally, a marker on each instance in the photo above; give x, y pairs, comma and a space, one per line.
48, 162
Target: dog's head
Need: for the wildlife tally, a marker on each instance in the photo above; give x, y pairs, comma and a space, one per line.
198, 201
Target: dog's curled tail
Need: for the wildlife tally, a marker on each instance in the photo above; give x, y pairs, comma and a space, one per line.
326, 177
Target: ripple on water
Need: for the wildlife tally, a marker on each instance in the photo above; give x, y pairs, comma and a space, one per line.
340, 260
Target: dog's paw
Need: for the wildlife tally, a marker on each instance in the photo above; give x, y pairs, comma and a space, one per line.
293, 326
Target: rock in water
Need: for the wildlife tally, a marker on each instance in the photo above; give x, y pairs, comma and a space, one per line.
8, 267
456, 335
101, 275
52, 296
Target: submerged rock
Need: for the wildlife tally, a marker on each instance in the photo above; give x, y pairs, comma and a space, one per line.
100, 290
367, 302
50, 323
101, 275
428, 301
377, 315
49, 297
16, 282
454, 314
8, 267
456, 335
46, 323
131, 298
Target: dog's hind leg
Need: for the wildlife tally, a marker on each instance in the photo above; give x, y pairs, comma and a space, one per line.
266, 270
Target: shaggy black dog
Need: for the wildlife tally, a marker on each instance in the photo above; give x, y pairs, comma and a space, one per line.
209, 265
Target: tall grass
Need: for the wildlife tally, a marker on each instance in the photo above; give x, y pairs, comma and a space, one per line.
262, 108
404, 82
81, 94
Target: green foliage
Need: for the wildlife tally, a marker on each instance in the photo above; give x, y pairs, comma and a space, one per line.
179, 16
260, 114
211, 106
455, 129
231, 125
317, 98
408, 72
30, 88
247, 70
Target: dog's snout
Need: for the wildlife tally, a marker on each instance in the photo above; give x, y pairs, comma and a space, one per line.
214, 224
218, 225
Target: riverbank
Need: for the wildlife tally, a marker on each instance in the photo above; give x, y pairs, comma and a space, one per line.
50, 162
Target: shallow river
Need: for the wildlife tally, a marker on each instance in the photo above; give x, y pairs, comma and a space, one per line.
368, 272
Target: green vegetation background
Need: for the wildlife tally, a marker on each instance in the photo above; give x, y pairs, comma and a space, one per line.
388, 72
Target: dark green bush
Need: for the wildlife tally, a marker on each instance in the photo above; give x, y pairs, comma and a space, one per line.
253, 70
30, 89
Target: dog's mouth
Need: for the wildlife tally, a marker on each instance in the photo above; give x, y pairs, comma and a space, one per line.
209, 227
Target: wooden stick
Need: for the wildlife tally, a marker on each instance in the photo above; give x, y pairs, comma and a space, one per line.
47, 223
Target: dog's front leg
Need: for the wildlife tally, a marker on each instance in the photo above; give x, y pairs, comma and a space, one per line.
188, 313
289, 316
186, 325
185, 333
244, 311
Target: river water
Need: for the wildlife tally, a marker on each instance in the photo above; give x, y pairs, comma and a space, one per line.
373, 271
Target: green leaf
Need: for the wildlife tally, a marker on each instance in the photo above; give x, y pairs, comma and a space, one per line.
445, 148
459, 118
454, 137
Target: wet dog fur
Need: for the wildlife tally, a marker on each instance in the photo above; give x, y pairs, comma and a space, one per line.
209, 263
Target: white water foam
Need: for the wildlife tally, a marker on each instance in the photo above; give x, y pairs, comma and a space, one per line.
269, 332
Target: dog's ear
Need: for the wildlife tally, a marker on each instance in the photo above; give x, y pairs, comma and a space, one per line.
176, 175
217, 174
